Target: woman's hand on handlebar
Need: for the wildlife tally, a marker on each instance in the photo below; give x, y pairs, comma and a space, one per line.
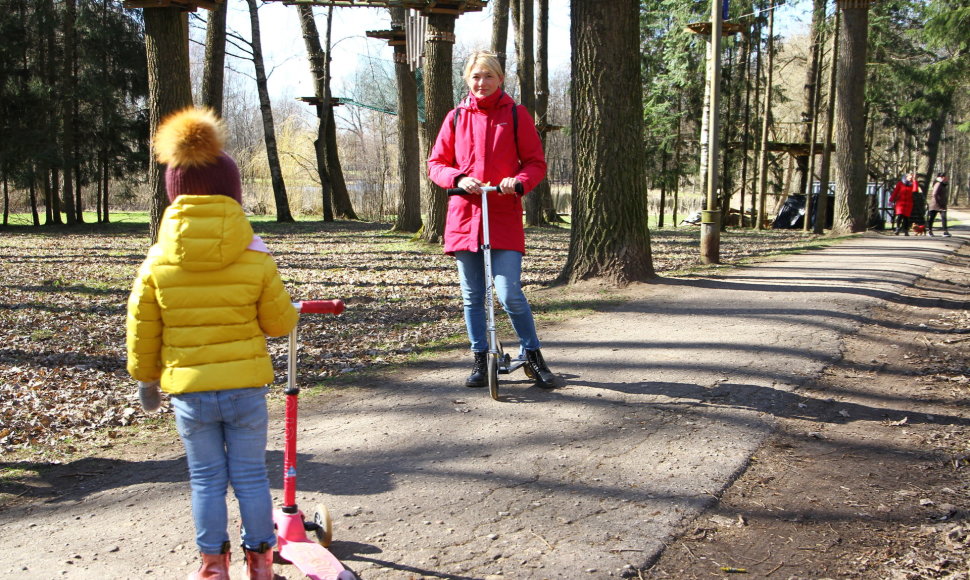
509, 185
470, 184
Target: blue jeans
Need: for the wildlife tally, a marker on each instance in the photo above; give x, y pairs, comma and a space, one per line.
507, 270
224, 433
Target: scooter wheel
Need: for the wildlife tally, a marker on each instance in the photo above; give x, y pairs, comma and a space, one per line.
324, 531
493, 375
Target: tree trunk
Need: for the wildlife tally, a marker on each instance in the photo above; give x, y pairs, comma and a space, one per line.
33, 199
756, 98
215, 59
6, 199
928, 153
704, 141
821, 212
522, 13
321, 90
438, 100
609, 237
103, 171
731, 100
931, 148
269, 129
663, 189
169, 89
77, 168
342, 206
104, 182
543, 191
52, 200
69, 83
810, 94
52, 203
500, 29
850, 154
746, 123
811, 208
678, 147
409, 151
762, 192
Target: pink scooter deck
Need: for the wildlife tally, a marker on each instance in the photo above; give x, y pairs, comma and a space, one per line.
315, 561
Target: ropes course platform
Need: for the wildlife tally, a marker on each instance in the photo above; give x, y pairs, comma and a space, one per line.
455, 7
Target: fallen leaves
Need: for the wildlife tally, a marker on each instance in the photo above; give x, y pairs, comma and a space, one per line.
63, 295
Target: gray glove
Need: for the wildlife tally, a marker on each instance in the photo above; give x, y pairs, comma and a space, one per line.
150, 395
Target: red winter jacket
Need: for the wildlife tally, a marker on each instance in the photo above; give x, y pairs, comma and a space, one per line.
902, 197
481, 144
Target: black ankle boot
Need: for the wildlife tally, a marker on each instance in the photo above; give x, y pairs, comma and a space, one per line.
543, 376
478, 378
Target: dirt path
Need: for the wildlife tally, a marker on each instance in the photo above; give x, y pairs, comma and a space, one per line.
868, 475
667, 398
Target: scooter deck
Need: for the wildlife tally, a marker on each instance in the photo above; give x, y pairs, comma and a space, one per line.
510, 365
514, 365
315, 561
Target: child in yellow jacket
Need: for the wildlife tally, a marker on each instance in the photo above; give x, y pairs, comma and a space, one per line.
202, 303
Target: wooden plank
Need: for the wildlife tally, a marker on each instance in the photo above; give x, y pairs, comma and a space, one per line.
389, 35
796, 148
187, 5
727, 28
455, 7
334, 101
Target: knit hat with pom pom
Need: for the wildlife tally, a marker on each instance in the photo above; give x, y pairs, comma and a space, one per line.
189, 142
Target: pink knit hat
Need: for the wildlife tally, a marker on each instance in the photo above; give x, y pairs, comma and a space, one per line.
189, 142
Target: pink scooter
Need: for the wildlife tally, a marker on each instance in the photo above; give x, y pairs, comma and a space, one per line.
293, 545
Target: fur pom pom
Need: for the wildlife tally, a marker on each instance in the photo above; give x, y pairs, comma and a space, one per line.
190, 138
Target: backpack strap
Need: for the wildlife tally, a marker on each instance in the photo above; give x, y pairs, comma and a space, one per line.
515, 124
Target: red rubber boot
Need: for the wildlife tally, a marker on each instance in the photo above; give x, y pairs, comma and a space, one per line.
260, 564
214, 567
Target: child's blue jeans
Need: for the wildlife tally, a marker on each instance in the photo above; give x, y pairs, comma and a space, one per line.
224, 433
507, 270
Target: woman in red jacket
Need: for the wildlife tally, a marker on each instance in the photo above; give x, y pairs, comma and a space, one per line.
902, 200
488, 139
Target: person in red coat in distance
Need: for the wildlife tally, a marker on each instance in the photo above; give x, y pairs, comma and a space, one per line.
483, 142
902, 200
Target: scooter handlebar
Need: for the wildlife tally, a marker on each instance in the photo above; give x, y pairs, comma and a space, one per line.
485, 189
320, 306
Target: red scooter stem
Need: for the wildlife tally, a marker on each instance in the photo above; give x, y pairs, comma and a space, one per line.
292, 392
289, 455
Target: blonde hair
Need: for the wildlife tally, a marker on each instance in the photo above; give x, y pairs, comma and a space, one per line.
485, 59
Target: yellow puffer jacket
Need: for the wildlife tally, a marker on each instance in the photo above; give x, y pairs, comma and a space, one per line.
202, 302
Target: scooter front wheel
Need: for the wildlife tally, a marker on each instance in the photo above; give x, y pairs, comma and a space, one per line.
324, 528
493, 375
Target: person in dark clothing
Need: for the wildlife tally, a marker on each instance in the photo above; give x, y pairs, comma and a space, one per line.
939, 196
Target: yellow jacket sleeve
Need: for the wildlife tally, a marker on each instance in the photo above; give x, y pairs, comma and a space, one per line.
275, 311
144, 329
